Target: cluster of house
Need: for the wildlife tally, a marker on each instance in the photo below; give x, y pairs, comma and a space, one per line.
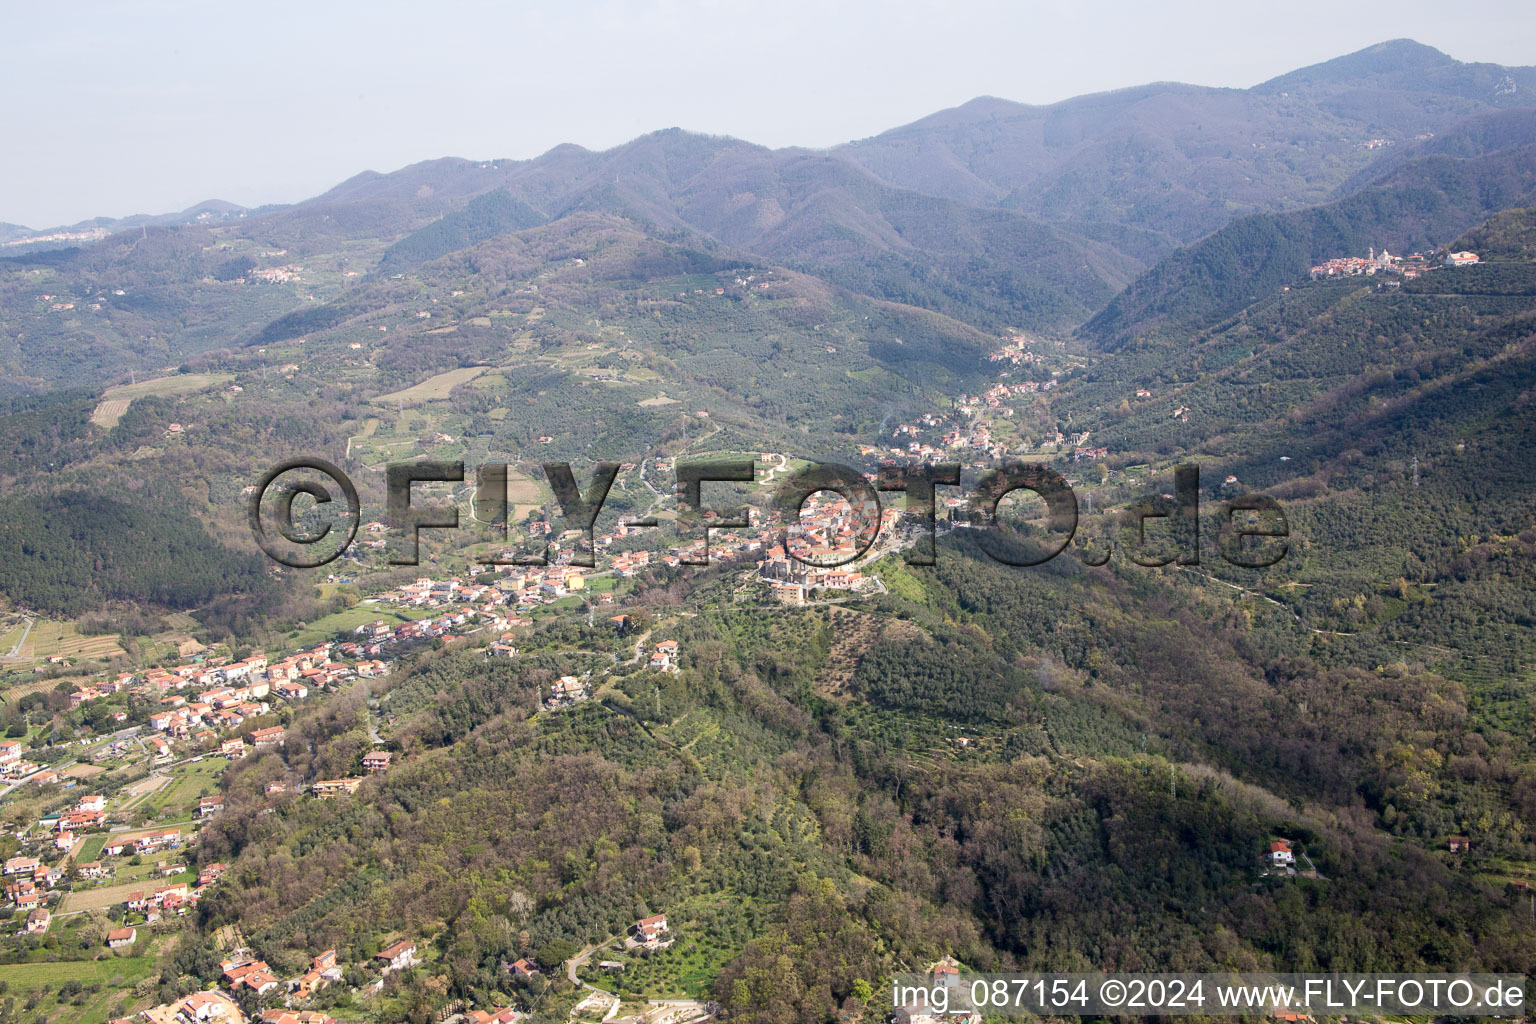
827, 532
1384, 262
230, 692
88, 813
664, 656
975, 437
520, 587
1017, 351
211, 1007
745, 283
27, 880
245, 970
165, 901
217, 1007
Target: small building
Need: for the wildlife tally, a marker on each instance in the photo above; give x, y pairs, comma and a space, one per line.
38, 921
1460, 844
1280, 854
377, 761
334, 787
508, 1015
120, 937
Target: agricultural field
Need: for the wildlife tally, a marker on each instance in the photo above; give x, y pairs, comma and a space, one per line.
115, 401
138, 792
82, 900
107, 414
177, 799
63, 639
524, 495
433, 388
90, 848
349, 619
31, 686
12, 636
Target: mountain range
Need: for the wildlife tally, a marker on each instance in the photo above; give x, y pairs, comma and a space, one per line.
1034, 216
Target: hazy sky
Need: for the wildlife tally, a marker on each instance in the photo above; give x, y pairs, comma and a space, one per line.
118, 108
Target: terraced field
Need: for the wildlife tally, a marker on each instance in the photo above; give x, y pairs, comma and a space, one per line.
48, 639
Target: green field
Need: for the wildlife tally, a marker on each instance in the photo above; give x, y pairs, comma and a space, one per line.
115, 976
91, 850
115, 401
433, 388
181, 384
49, 638
348, 620
178, 798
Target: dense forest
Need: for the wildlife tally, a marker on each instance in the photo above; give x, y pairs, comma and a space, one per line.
72, 552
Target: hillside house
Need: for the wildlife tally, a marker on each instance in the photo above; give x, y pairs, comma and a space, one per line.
118, 938
398, 956
266, 739
164, 839
651, 929
209, 1008
1280, 855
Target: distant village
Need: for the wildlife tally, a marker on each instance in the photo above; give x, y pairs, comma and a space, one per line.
1409, 267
